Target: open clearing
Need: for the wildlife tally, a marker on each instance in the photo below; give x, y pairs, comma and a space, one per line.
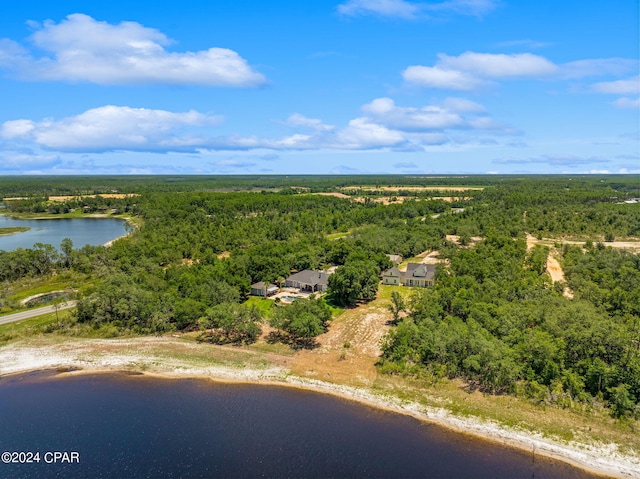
106, 195
348, 351
413, 188
630, 244
554, 270
390, 200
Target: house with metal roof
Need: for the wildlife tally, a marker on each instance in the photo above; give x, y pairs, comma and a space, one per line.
417, 274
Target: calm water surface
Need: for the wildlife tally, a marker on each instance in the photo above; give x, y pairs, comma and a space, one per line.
82, 231
132, 426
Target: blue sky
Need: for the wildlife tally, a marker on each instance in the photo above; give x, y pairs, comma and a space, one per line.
319, 87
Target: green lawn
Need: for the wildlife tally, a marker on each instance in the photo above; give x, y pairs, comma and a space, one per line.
263, 304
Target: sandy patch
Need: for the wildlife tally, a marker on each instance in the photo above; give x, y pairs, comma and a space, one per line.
105, 195
431, 258
348, 351
414, 188
456, 239
335, 193
632, 245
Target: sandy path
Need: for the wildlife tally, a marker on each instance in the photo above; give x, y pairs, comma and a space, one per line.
554, 270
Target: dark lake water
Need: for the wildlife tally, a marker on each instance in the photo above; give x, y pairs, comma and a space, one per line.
132, 426
82, 231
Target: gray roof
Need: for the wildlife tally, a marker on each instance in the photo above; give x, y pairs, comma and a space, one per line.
393, 272
310, 277
263, 285
417, 270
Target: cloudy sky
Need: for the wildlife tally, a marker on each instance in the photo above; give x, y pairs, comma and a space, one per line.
318, 87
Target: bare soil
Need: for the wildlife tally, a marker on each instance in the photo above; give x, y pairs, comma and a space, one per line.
456, 239
336, 194
631, 244
348, 351
106, 195
414, 188
554, 270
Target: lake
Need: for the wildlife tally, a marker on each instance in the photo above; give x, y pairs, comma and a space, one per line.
82, 231
132, 426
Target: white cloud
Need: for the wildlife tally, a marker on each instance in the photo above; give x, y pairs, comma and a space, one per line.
462, 105
362, 134
382, 125
413, 10
406, 165
498, 65
463, 7
597, 67
112, 128
627, 103
386, 8
437, 77
298, 120
471, 70
16, 129
24, 161
619, 87
528, 43
384, 111
554, 160
85, 50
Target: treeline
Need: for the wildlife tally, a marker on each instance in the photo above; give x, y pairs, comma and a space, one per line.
98, 204
31, 186
495, 321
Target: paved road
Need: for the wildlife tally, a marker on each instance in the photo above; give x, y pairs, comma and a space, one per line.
10, 318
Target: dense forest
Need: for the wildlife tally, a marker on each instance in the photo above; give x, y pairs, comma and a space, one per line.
493, 319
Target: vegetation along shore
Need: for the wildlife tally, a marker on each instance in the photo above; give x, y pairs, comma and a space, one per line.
527, 332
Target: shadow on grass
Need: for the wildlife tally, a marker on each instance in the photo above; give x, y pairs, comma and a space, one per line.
291, 341
220, 338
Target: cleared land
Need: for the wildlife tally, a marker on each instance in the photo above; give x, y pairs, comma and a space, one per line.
389, 200
414, 188
630, 244
554, 270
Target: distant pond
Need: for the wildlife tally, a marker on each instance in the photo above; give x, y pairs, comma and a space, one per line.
82, 231
134, 426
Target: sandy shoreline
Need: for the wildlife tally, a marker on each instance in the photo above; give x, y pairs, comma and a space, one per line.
133, 355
